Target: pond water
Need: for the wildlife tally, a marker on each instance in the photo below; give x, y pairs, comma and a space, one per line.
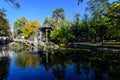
62, 64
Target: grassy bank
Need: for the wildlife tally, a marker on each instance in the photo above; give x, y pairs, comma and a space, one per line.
106, 44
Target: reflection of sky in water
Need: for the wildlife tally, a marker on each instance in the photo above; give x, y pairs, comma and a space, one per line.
72, 71
30, 73
71, 74
40, 73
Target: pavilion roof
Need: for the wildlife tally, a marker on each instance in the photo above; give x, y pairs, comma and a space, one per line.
45, 26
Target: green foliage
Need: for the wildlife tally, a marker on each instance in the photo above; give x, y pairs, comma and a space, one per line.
19, 24
62, 33
57, 16
48, 19
4, 25
77, 19
75, 29
113, 19
62, 45
102, 21
30, 29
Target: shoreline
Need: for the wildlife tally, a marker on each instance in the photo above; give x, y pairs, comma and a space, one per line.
95, 48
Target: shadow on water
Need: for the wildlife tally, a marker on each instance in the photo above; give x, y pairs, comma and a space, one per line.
4, 67
65, 64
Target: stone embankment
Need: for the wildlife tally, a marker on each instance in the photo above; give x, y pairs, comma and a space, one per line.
34, 44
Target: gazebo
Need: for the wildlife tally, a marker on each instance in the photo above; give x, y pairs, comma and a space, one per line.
46, 28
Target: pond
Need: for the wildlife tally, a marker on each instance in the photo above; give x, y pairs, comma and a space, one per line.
62, 64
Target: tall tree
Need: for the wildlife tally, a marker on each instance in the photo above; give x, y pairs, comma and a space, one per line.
19, 24
77, 18
31, 29
98, 9
13, 3
4, 25
76, 26
58, 15
48, 19
62, 34
113, 19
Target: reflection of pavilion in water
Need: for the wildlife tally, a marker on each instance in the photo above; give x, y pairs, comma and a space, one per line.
66, 65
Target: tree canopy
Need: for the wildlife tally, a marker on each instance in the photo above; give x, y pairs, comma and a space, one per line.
19, 24
58, 15
100, 21
4, 25
30, 29
13, 3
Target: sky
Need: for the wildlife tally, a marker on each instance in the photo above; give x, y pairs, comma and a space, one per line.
39, 9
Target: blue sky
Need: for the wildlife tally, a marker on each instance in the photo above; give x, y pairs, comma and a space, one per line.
39, 9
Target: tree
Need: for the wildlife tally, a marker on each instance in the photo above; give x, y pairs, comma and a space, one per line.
19, 24
79, 1
77, 18
13, 3
4, 25
58, 15
98, 9
76, 27
113, 19
31, 29
62, 33
48, 19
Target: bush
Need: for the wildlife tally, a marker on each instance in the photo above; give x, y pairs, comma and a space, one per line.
47, 43
62, 45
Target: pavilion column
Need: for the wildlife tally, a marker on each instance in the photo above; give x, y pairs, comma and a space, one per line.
46, 35
40, 36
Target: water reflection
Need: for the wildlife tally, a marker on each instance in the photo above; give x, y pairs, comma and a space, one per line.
25, 61
64, 64
4, 67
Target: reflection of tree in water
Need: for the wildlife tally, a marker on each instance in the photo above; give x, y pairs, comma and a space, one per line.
59, 72
107, 66
55, 63
100, 68
58, 59
61, 59
104, 66
4, 67
94, 65
25, 60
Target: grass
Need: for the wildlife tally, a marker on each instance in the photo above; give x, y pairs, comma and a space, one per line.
91, 43
109, 44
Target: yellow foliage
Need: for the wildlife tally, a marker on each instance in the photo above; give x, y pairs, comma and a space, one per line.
35, 23
31, 28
